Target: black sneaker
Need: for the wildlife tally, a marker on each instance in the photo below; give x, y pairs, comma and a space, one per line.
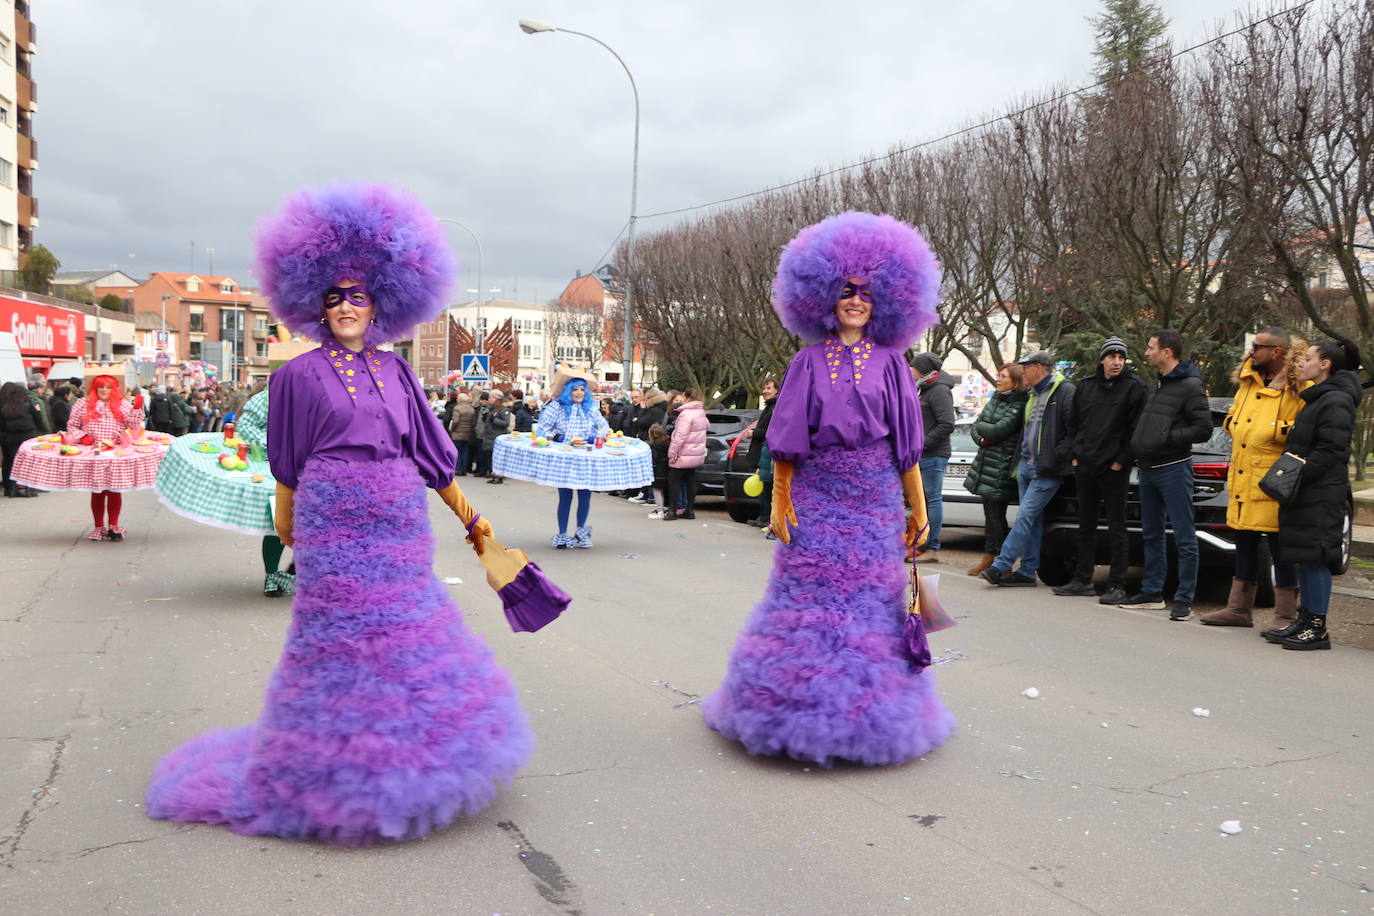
1017, 579
1113, 596
1143, 602
1183, 610
993, 575
1076, 589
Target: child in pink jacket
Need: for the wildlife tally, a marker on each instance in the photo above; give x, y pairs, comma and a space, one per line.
686, 453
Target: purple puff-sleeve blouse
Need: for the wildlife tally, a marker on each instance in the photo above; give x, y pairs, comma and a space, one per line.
847, 396
336, 404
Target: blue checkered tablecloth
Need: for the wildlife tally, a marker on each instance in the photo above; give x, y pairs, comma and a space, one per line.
577, 468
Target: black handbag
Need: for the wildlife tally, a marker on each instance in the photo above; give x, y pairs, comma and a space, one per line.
1284, 477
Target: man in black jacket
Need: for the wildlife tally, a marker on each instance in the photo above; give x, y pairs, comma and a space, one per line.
1105, 410
935, 390
1042, 463
1175, 417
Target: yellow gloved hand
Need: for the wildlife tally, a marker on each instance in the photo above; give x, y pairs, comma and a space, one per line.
284, 518
917, 525
783, 512
478, 528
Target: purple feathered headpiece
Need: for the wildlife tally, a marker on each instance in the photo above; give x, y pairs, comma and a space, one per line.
378, 236
889, 255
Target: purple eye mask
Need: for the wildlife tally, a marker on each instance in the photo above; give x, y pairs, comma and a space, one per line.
857, 289
355, 295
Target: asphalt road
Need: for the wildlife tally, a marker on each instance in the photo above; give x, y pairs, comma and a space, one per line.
1103, 795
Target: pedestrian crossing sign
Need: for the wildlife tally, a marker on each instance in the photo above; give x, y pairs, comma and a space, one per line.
476, 367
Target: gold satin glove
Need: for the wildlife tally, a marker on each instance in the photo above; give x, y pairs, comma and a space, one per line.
917, 524
284, 518
783, 512
455, 500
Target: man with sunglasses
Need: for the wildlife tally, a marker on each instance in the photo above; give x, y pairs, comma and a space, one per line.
1042, 462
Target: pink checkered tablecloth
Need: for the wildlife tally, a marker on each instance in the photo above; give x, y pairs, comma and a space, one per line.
40, 464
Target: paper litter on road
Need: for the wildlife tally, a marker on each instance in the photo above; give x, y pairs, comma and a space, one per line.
1230, 828
1201, 713
1030, 692
949, 655
452, 580
1022, 774
627, 556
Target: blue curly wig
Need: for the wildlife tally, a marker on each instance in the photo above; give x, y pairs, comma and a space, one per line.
565, 397
889, 255
379, 236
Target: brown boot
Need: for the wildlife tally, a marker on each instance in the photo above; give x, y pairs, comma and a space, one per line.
1238, 607
1285, 615
981, 565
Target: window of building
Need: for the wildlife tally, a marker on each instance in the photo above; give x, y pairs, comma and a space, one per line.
227, 287
197, 322
531, 351
193, 350
6, 234
4, 110
5, 48
261, 349
260, 324
6, 173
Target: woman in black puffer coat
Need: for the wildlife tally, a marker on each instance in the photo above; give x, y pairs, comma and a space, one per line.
1312, 523
997, 430
18, 424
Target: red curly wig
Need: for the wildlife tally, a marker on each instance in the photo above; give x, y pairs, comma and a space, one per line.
116, 397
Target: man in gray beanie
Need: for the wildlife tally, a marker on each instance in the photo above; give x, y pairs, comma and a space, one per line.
1105, 410
935, 390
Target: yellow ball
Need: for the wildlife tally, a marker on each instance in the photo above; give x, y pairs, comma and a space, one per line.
753, 486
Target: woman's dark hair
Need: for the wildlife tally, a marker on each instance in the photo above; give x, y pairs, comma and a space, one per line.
62, 391
694, 394
1343, 354
14, 399
657, 434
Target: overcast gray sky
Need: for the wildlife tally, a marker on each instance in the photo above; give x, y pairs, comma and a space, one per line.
165, 123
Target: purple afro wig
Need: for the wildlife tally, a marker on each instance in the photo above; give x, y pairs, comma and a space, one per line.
377, 236
890, 256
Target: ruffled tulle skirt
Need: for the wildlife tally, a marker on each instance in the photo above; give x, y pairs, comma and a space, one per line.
820, 672
386, 718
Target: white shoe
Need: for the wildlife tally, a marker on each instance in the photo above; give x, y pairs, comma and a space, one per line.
657, 513
636, 499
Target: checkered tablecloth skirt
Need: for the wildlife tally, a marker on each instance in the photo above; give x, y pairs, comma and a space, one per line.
578, 468
39, 464
192, 484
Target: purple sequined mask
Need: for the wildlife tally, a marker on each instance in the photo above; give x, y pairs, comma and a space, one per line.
355, 295
857, 289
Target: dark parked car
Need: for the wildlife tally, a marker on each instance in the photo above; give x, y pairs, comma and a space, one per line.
1216, 541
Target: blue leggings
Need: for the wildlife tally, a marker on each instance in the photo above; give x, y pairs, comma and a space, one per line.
584, 505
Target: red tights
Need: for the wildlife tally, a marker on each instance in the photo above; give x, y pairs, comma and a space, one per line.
106, 501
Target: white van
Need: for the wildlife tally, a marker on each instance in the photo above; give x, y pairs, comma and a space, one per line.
11, 362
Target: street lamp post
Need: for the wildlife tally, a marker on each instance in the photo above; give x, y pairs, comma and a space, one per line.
477, 337
534, 27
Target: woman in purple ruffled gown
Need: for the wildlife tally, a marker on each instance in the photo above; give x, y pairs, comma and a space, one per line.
821, 672
386, 718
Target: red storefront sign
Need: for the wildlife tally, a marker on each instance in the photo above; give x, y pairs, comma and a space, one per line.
43, 330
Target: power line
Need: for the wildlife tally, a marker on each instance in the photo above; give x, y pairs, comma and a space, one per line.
970, 129
596, 265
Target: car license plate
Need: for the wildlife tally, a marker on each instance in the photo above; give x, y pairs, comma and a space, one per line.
957, 470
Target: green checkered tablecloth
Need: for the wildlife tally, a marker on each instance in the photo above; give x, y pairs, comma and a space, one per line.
192, 484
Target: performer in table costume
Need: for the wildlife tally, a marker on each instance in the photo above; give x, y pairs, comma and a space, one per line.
821, 671
385, 719
105, 415
572, 415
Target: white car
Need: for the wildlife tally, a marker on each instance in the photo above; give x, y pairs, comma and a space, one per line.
962, 508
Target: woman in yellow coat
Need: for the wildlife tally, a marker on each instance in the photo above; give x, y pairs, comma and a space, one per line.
1260, 418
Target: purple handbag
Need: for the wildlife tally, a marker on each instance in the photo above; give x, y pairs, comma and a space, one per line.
528, 597
925, 615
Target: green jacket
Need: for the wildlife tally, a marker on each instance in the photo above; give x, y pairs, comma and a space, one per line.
992, 475
42, 419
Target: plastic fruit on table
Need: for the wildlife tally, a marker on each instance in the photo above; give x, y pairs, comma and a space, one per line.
257, 478
71, 450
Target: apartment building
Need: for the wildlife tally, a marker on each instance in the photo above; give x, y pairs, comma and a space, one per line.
18, 151
207, 318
